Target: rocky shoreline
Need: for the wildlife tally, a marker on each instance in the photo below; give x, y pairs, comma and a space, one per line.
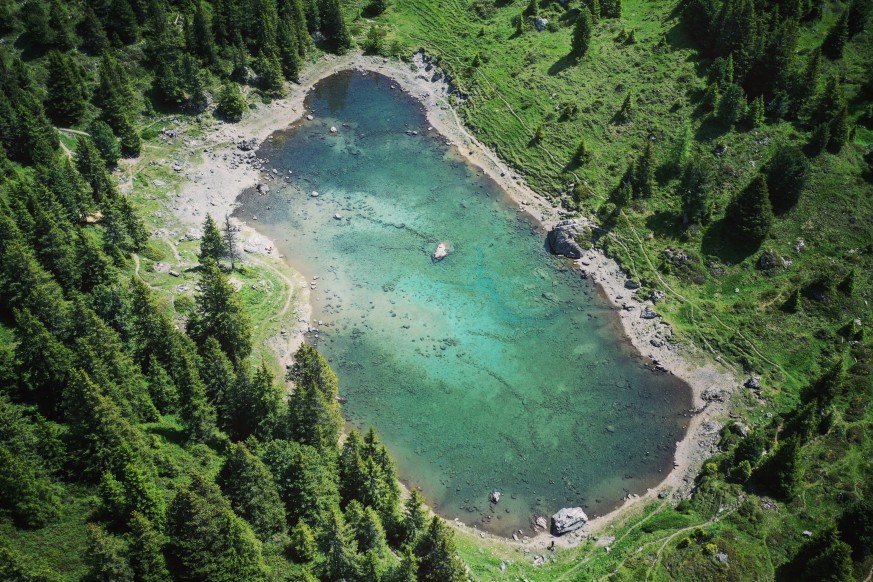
230, 165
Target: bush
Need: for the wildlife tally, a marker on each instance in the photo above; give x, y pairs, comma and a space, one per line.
231, 102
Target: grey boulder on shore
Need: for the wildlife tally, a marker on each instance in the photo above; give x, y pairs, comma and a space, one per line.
562, 238
567, 520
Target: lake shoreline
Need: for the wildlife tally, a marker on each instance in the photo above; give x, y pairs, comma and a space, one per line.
219, 183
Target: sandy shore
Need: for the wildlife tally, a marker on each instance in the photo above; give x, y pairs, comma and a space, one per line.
214, 185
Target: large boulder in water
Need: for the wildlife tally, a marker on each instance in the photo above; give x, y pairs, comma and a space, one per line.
567, 520
562, 238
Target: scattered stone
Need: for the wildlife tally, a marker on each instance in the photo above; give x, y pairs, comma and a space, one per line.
806, 533
247, 145
333, 129
541, 23
495, 497
722, 557
740, 429
263, 189
799, 245
754, 382
174, 273
657, 296
662, 495
539, 560
541, 522
159, 183
441, 252
631, 284
314, 194
568, 519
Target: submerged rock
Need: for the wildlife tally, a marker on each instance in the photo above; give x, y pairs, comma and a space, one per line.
441, 252
495, 496
568, 519
562, 238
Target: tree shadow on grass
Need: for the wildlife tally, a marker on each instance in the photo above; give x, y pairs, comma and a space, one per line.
718, 242
664, 224
169, 433
562, 64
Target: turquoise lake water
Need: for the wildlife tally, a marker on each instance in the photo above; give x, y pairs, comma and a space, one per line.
498, 368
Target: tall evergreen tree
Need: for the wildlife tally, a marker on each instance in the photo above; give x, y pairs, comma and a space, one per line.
340, 550
249, 486
66, 90
786, 176
314, 416
219, 313
105, 141
438, 557
581, 39
145, 551
106, 557
750, 215
211, 243
253, 405
219, 379
695, 187
333, 25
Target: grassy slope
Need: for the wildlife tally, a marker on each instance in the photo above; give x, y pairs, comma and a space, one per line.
521, 81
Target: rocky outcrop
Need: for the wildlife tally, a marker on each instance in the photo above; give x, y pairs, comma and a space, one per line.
562, 238
567, 520
441, 252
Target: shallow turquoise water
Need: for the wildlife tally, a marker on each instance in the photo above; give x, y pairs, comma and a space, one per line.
497, 368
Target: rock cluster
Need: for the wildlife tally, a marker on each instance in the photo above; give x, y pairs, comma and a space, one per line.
568, 519
562, 238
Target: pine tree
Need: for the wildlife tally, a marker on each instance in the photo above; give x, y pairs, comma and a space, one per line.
859, 11
786, 176
333, 25
269, 71
695, 187
780, 472
732, 105
219, 313
794, 304
92, 168
438, 557
105, 141
129, 139
594, 8
230, 104
581, 154
106, 557
838, 130
145, 551
407, 569
837, 37
750, 215
314, 416
289, 50
202, 40
847, 285
211, 243
44, 363
207, 540
415, 518
340, 550
830, 103
66, 91
644, 173
302, 546
94, 39
249, 486
818, 139
162, 389
807, 87
610, 8
306, 481
253, 405
831, 559
581, 35
756, 112
219, 379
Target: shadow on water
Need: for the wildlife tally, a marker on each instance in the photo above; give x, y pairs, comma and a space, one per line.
497, 368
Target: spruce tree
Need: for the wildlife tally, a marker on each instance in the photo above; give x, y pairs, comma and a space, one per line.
211, 243
377, 7
786, 176
202, 39
105, 141
94, 39
731, 105
594, 8
756, 112
145, 551
106, 557
66, 91
780, 472
438, 557
695, 187
837, 37
219, 379
129, 139
253, 405
333, 25
314, 416
219, 313
644, 173
162, 389
415, 518
858, 13
289, 51
230, 103
750, 215
302, 546
838, 130
581, 39
340, 550
818, 139
207, 540
249, 486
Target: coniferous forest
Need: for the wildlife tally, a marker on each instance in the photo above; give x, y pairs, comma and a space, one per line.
141, 439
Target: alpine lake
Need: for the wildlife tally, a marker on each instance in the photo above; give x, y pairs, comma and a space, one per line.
497, 368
